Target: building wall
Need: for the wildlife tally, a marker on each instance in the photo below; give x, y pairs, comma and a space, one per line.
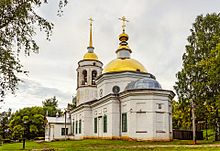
146, 120
85, 116
87, 91
107, 81
53, 131
148, 112
109, 109
86, 94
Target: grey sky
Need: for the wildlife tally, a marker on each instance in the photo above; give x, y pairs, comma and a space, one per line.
157, 30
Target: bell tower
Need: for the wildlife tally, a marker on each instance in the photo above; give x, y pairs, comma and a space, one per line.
89, 68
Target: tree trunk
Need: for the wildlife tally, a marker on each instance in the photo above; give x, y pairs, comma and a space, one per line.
193, 122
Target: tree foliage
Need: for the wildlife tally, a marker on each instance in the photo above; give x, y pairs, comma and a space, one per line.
18, 23
4, 127
198, 77
28, 121
181, 115
50, 106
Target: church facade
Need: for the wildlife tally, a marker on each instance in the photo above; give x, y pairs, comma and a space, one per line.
120, 101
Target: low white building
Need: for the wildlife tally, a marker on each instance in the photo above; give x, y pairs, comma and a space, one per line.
121, 101
57, 128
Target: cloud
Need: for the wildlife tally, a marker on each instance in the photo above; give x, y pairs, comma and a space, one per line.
38, 90
32, 93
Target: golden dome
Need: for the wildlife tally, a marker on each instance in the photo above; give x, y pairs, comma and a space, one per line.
90, 56
118, 65
123, 37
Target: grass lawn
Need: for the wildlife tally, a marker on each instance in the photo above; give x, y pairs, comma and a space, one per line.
115, 145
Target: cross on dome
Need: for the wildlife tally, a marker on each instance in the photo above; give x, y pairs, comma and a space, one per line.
124, 20
91, 20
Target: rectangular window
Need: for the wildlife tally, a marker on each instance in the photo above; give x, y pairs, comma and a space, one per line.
80, 126
124, 122
76, 127
66, 131
95, 125
63, 131
105, 123
73, 127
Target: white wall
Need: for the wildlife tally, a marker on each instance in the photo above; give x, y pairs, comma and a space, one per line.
53, 131
107, 81
145, 120
109, 108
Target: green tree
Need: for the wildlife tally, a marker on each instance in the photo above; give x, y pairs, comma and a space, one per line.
211, 65
50, 107
29, 122
18, 24
193, 78
4, 127
181, 115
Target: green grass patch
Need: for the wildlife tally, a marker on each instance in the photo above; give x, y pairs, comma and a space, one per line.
114, 145
210, 134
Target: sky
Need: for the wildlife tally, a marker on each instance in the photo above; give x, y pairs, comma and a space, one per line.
157, 29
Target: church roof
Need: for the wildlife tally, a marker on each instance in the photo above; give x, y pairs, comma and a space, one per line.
90, 56
145, 83
118, 65
60, 120
124, 62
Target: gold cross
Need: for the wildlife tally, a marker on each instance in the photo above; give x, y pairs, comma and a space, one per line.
91, 20
124, 20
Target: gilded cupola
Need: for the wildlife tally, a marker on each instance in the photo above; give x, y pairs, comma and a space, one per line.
124, 62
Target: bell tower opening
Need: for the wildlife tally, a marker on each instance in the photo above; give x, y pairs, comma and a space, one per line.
84, 81
94, 75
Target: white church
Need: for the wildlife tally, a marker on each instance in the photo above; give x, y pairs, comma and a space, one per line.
120, 101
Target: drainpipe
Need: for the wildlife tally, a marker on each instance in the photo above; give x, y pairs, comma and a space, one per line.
119, 101
116, 90
65, 124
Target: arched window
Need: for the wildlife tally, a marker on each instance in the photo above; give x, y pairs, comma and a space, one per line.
84, 81
94, 75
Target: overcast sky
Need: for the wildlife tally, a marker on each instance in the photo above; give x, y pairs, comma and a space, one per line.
157, 31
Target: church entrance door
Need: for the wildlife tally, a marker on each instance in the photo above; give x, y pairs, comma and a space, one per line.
100, 126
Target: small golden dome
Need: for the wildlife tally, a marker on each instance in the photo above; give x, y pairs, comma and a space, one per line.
118, 65
90, 56
123, 37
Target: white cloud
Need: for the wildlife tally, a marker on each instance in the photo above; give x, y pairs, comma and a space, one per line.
32, 93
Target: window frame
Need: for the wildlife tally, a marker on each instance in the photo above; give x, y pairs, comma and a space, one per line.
73, 128
124, 122
95, 125
80, 126
105, 124
63, 131
76, 127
